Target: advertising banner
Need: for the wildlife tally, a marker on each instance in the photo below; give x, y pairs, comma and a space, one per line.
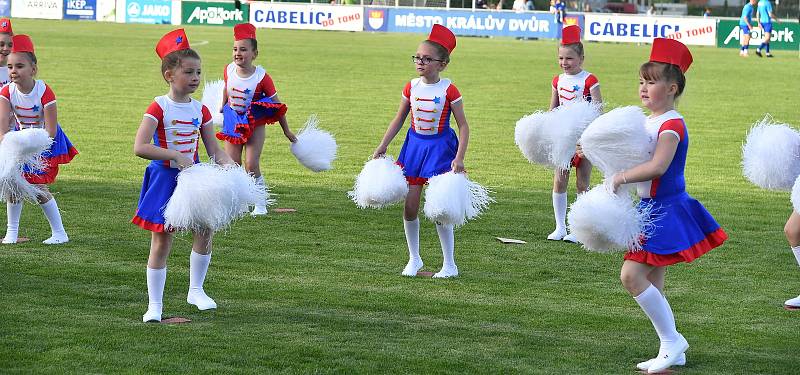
106, 10
208, 13
479, 23
785, 36
80, 9
5, 8
642, 29
306, 16
148, 11
47, 9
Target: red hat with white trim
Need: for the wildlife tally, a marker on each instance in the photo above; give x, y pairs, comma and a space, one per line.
5, 26
172, 41
671, 51
21, 43
443, 37
571, 35
244, 31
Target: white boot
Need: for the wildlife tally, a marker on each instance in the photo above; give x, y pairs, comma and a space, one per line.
560, 213
156, 278
646, 364
13, 213
198, 267
59, 235
411, 229
447, 240
260, 207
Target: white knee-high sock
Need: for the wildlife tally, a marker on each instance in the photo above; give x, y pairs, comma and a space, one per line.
13, 212
260, 182
50, 209
412, 238
447, 240
198, 267
795, 250
657, 308
560, 210
156, 278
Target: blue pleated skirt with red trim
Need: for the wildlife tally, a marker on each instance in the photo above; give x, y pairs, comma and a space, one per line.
238, 127
157, 187
424, 156
683, 231
61, 152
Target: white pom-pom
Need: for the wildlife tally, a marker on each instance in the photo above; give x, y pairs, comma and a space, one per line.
618, 140
315, 148
18, 150
565, 126
603, 221
771, 155
452, 199
209, 197
212, 96
381, 183
530, 135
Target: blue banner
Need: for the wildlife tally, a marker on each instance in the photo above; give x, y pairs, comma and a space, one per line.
5, 8
479, 23
80, 9
148, 11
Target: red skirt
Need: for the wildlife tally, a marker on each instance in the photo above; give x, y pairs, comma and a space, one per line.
697, 250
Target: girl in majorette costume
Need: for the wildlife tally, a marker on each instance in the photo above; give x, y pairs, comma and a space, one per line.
431, 146
792, 231
250, 101
684, 230
575, 84
169, 135
5, 49
32, 104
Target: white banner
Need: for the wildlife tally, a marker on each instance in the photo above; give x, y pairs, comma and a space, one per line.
106, 10
47, 9
305, 16
642, 29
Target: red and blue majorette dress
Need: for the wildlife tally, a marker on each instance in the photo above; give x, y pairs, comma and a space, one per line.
572, 88
178, 129
28, 112
431, 144
250, 104
682, 228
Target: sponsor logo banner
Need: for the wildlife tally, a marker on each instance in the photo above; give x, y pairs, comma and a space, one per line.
479, 23
642, 29
785, 36
106, 10
304, 16
205, 13
5, 8
148, 11
47, 9
376, 19
80, 9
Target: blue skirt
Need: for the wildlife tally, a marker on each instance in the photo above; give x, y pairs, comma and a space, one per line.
425, 156
61, 152
238, 127
157, 187
682, 227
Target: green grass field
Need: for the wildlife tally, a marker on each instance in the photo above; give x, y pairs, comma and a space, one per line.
320, 291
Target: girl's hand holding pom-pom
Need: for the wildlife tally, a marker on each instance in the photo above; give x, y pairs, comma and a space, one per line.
457, 165
182, 161
379, 152
290, 136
